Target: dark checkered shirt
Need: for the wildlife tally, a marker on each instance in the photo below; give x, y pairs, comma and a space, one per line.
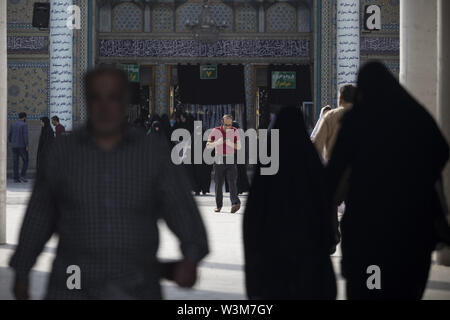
104, 207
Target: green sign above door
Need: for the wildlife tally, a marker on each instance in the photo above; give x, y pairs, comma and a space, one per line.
132, 70
208, 72
284, 80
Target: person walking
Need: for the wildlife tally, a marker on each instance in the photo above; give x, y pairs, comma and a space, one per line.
323, 112
288, 231
59, 128
225, 139
102, 191
395, 154
327, 133
18, 138
328, 128
46, 139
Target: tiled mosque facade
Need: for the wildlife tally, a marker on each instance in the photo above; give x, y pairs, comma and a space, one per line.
153, 33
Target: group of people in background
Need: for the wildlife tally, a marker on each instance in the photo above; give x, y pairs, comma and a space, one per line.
19, 141
233, 176
382, 154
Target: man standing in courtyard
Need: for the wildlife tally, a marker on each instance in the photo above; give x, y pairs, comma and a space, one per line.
225, 140
102, 191
59, 128
18, 138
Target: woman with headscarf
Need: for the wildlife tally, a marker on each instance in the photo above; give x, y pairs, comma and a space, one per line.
201, 172
288, 234
393, 152
155, 128
45, 140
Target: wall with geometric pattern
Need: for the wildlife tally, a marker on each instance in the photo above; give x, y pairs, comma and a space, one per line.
383, 45
155, 33
28, 68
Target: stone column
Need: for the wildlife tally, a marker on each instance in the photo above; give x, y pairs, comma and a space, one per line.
162, 89
249, 74
418, 50
3, 119
443, 97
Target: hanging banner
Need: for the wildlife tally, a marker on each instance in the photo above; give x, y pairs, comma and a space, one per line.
132, 70
61, 62
284, 80
348, 38
208, 72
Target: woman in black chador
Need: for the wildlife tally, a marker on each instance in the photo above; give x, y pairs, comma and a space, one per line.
393, 153
288, 234
45, 140
201, 172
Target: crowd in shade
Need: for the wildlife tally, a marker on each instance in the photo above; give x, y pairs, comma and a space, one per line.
103, 188
199, 174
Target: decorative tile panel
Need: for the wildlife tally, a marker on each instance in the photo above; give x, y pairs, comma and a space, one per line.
28, 85
249, 73
81, 63
380, 46
162, 19
18, 44
20, 14
190, 48
246, 19
281, 17
127, 17
325, 55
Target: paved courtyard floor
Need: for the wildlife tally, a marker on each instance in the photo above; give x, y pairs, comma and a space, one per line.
221, 274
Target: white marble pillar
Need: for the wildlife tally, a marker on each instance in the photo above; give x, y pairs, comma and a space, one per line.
347, 42
418, 50
443, 96
3, 119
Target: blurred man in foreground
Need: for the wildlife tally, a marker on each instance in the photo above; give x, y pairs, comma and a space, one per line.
102, 192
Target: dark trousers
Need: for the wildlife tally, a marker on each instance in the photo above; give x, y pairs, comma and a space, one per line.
230, 172
20, 153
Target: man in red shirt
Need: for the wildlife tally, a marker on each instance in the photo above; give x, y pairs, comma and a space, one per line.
59, 128
225, 140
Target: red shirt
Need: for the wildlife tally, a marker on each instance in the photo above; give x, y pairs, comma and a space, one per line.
59, 130
231, 134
